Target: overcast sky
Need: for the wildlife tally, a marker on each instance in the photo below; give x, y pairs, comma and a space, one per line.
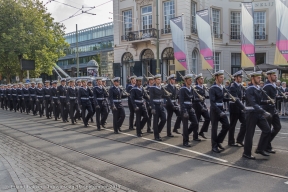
61, 12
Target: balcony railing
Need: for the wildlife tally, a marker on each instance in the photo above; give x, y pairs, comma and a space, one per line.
218, 36
139, 35
261, 37
194, 30
235, 37
166, 31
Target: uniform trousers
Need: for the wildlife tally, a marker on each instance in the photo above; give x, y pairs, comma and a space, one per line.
205, 114
33, 105
101, 112
48, 107
64, 109
56, 108
160, 114
131, 115
141, 113
234, 117
40, 106
72, 109
170, 110
86, 105
149, 117
118, 116
14, 102
27, 106
187, 130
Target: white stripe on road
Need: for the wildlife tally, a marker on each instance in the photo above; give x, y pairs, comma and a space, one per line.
286, 182
174, 146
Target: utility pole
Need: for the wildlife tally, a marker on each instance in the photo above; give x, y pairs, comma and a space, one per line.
77, 52
157, 28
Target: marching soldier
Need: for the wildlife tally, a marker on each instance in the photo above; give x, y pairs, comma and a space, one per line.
216, 95
32, 97
256, 115
130, 105
236, 112
271, 90
55, 100
137, 99
5, 97
84, 95
78, 113
62, 94
172, 107
72, 101
104, 85
40, 99
187, 112
47, 100
200, 106
100, 99
148, 106
26, 98
89, 84
157, 93
20, 105
2, 96
14, 97
115, 96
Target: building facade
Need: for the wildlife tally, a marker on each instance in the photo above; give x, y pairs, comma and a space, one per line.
94, 43
135, 34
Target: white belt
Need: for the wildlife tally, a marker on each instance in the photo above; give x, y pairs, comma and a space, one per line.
47, 95
72, 97
100, 98
188, 102
55, 97
14, 94
249, 108
26, 95
219, 104
62, 96
39, 96
173, 101
117, 101
20, 95
158, 100
8, 94
84, 98
139, 101
91, 97
32, 94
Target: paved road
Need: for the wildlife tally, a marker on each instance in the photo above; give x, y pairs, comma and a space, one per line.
142, 164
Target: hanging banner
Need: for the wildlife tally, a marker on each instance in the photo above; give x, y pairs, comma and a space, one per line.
281, 53
205, 39
178, 40
247, 36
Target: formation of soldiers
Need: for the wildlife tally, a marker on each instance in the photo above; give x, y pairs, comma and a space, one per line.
252, 105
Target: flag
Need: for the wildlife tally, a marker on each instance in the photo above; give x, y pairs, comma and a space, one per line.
205, 38
247, 36
178, 40
281, 53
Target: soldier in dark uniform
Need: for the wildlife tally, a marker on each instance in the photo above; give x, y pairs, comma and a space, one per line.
216, 95
26, 98
90, 86
137, 96
187, 112
47, 100
200, 106
32, 97
101, 107
236, 112
148, 106
84, 95
2, 96
172, 107
271, 91
40, 99
72, 101
14, 97
256, 115
115, 96
157, 93
107, 88
78, 112
62, 93
55, 100
20, 106
130, 105
5, 97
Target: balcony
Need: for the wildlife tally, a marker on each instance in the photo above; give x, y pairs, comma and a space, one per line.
218, 36
194, 30
166, 31
140, 35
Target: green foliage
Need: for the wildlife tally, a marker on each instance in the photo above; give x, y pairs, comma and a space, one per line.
28, 30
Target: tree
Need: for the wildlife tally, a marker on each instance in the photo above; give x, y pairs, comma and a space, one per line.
28, 30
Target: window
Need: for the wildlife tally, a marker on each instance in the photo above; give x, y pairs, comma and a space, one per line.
193, 19
216, 62
235, 25
194, 61
260, 25
169, 12
260, 58
235, 62
146, 15
127, 22
216, 23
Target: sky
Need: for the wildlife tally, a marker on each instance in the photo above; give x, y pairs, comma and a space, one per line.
61, 12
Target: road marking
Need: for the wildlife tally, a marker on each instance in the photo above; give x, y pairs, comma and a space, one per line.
286, 182
174, 146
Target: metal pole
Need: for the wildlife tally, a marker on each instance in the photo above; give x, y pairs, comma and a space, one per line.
77, 53
27, 74
157, 28
186, 47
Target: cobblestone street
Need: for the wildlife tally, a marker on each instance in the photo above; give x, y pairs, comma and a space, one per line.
33, 170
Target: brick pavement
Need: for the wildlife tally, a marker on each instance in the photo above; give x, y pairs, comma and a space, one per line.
34, 170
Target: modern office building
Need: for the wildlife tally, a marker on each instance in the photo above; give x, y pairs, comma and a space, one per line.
93, 42
135, 34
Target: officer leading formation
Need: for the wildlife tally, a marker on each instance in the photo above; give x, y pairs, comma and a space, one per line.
254, 105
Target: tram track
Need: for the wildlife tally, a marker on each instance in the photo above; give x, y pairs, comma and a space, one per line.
141, 146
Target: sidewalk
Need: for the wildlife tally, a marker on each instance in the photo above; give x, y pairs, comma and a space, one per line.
34, 170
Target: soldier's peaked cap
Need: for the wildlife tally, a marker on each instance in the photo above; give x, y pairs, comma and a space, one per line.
272, 71
220, 72
116, 79
139, 78
238, 73
173, 76
198, 76
256, 73
188, 76
132, 77
157, 76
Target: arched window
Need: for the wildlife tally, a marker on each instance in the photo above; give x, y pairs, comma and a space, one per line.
194, 61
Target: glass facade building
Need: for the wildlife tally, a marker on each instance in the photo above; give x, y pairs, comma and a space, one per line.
93, 43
